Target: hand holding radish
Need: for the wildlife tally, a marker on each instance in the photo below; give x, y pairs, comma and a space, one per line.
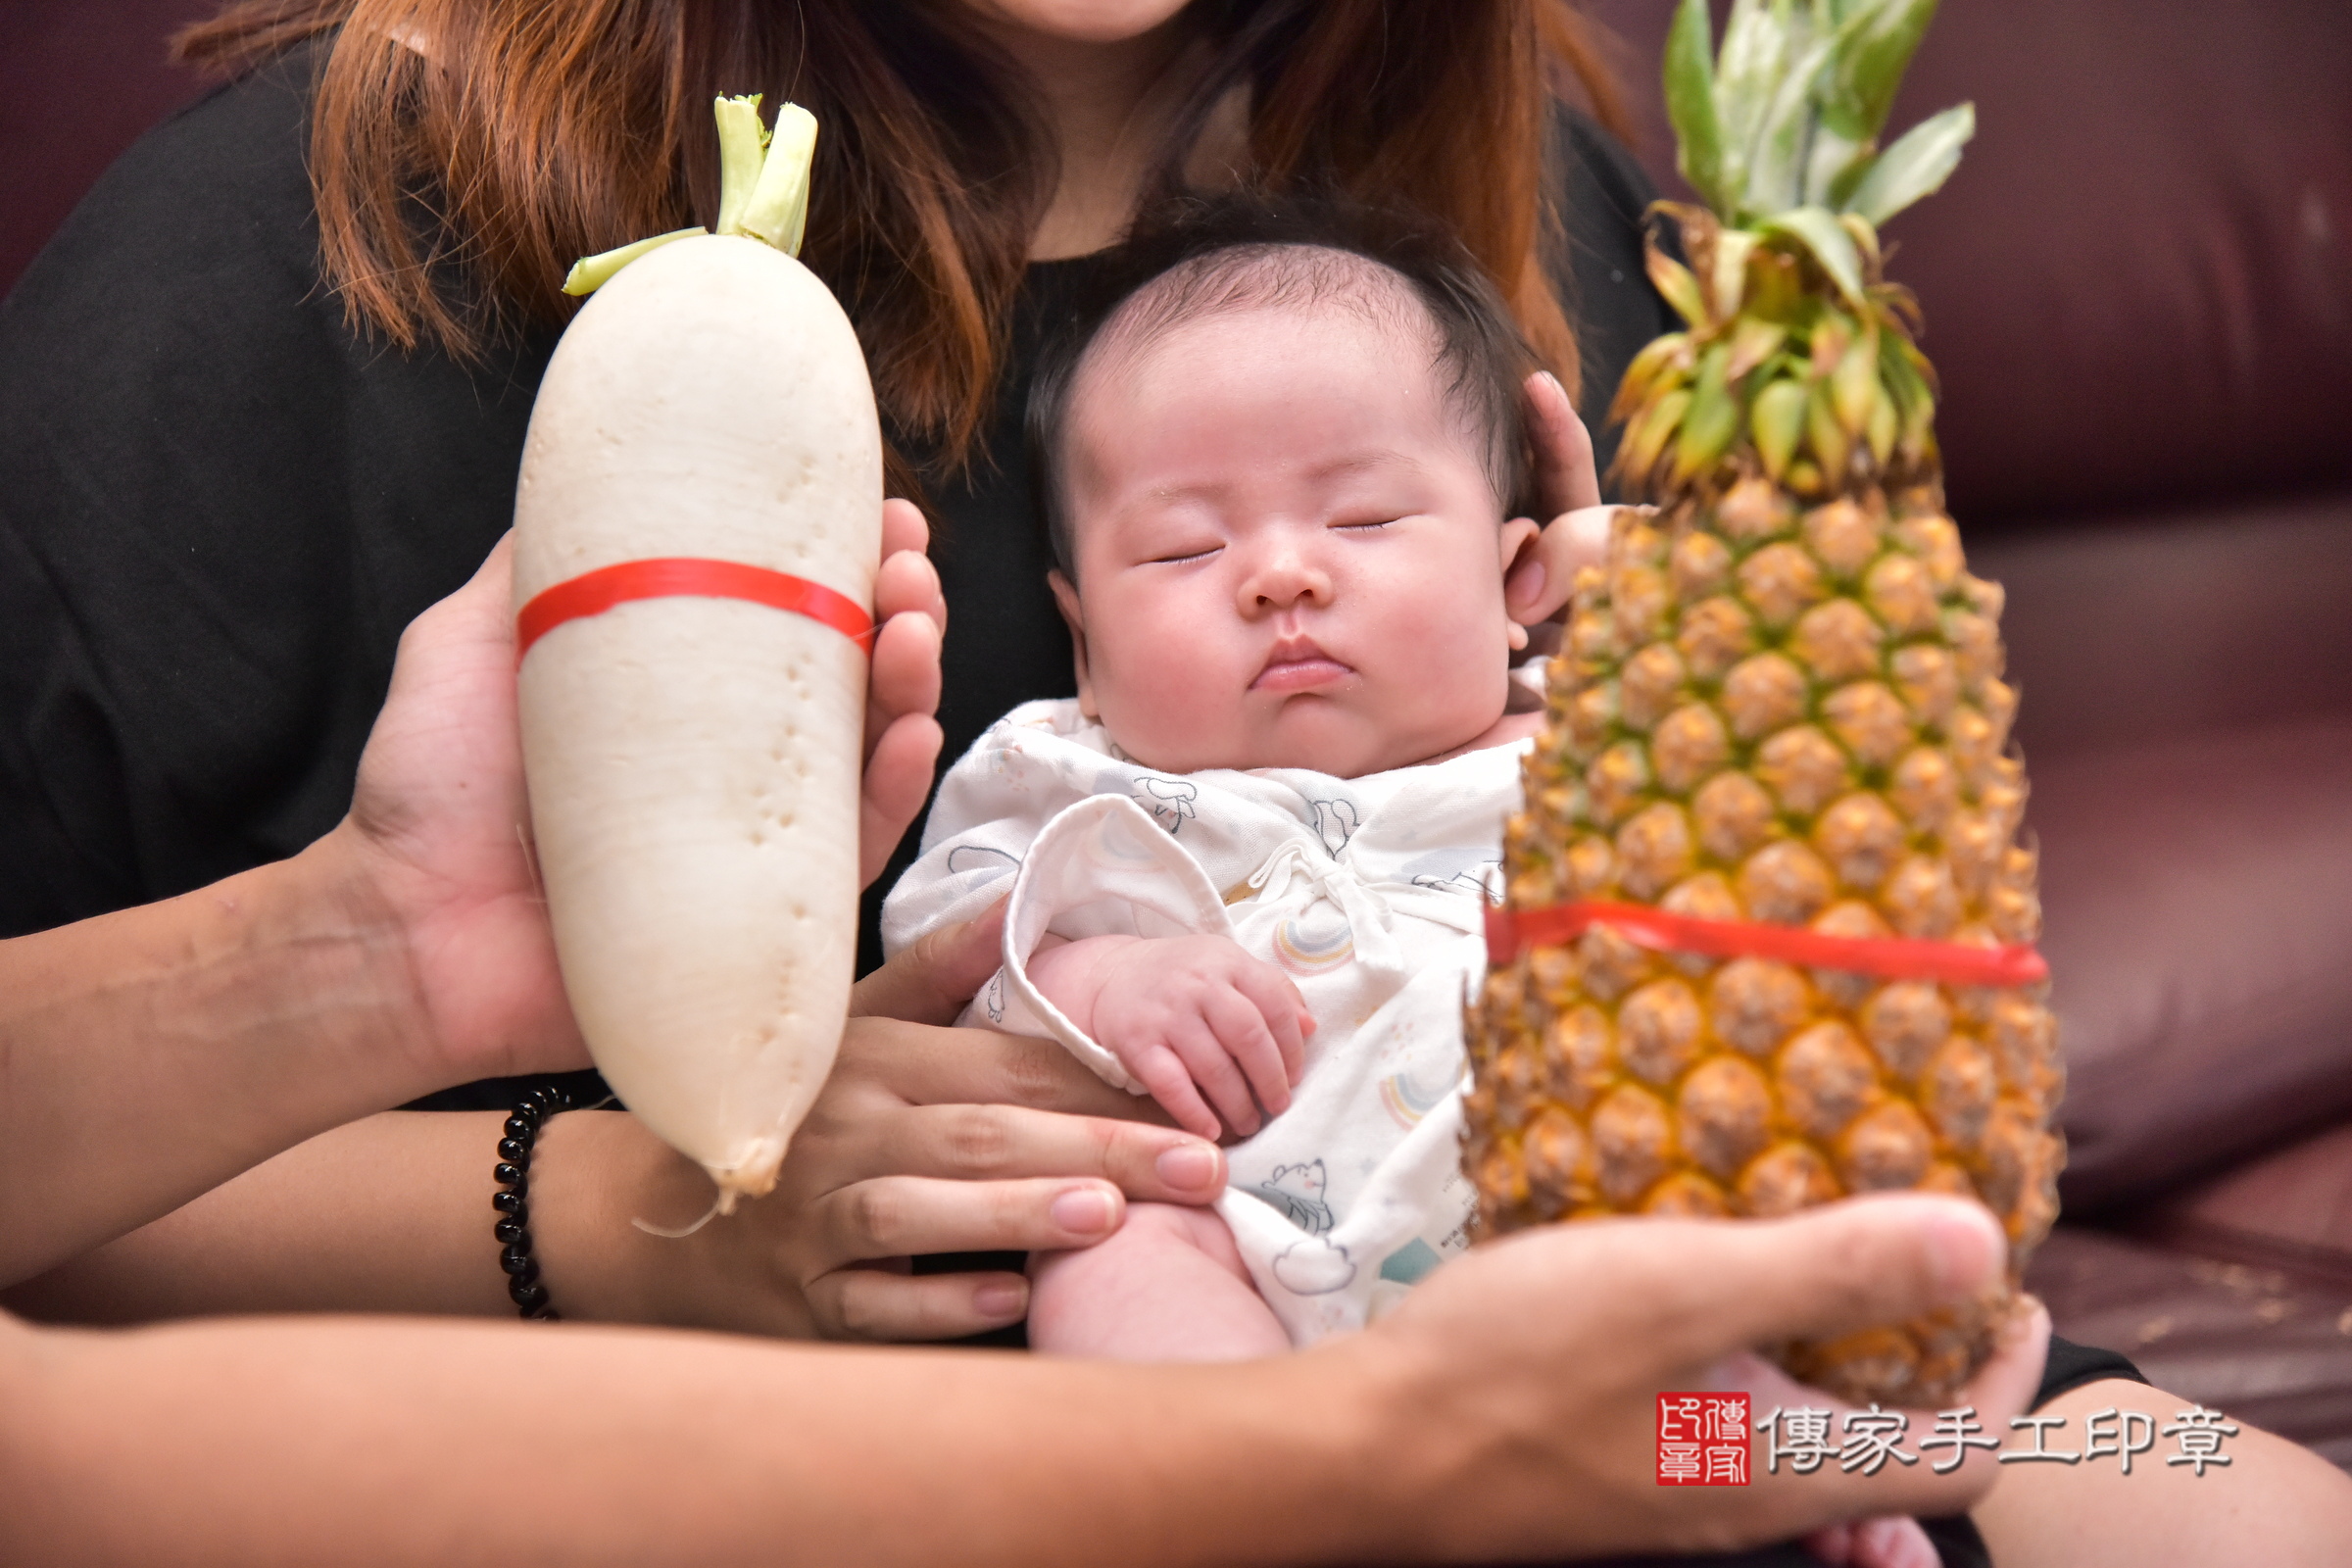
1189, 1017
438, 817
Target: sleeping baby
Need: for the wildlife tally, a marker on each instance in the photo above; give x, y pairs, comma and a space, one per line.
1249, 861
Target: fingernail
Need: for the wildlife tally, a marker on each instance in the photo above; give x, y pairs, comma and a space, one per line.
1003, 1299
1082, 1211
1555, 383
1187, 1167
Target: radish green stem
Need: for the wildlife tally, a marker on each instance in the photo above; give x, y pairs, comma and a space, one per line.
742, 144
778, 209
762, 188
592, 272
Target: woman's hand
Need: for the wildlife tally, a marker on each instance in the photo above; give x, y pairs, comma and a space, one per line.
923, 1141
902, 738
931, 979
440, 827
439, 822
1568, 493
1527, 1372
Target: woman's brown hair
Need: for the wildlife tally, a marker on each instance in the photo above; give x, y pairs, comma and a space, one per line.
455, 191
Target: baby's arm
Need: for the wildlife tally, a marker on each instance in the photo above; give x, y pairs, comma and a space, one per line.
1188, 1016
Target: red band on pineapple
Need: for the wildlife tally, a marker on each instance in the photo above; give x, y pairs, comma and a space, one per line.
1512, 932
592, 593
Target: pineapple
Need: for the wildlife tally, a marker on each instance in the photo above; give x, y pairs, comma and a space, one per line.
1780, 703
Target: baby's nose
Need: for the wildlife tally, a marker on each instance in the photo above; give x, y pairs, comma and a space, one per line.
1283, 578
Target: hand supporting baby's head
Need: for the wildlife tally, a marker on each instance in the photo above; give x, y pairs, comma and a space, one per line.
1279, 471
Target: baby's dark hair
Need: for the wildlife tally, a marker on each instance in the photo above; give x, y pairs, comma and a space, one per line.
1202, 256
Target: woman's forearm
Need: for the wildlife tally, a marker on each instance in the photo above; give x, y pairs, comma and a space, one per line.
149, 1055
923, 1141
311, 1442
391, 1213
1505, 1410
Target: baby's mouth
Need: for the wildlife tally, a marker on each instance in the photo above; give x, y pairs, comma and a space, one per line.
1299, 664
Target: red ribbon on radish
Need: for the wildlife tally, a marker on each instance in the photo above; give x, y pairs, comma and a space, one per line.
1510, 932
592, 593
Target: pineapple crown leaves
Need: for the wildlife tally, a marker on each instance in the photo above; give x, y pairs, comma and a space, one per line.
1796, 341
1788, 366
1790, 116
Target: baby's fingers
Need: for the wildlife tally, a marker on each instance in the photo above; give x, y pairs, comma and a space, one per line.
1284, 1013
1242, 1029
1163, 1072
1213, 1069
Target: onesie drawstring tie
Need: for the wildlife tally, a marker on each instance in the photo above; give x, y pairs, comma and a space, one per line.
1368, 916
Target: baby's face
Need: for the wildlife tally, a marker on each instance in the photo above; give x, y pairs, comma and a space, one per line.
1287, 554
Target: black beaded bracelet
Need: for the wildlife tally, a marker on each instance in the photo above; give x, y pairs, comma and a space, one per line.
511, 1200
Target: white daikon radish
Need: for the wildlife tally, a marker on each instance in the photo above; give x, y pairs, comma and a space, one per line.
693, 752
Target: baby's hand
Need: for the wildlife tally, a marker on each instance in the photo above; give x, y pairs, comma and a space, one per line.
1188, 1016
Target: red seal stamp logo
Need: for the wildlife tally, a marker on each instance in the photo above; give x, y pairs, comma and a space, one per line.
1703, 1440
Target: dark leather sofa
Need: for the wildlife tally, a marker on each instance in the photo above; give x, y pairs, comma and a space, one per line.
2139, 290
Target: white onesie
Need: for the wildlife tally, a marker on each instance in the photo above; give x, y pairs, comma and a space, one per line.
1369, 893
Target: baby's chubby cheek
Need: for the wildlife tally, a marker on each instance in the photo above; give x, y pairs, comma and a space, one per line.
1444, 672
1178, 706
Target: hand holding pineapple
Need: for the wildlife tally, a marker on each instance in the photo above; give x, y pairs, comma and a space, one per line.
1639, 1309
1780, 705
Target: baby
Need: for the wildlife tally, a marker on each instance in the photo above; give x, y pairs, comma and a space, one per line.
1252, 856
1250, 863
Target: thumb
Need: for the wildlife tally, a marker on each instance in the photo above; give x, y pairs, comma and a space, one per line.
1565, 476
1542, 580
931, 980
1826, 1271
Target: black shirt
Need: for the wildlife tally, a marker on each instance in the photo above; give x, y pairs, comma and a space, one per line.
218, 507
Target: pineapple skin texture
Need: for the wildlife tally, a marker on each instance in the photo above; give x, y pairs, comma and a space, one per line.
1766, 711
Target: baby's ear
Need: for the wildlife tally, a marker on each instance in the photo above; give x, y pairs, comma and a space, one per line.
1517, 542
1065, 597
1517, 545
